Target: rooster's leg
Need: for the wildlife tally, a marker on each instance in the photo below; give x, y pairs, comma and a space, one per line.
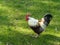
36, 35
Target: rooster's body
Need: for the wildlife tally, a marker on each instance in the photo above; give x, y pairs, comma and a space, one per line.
38, 26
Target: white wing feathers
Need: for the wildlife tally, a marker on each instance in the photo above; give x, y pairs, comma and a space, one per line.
32, 22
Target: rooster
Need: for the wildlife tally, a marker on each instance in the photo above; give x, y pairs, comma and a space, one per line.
38, 26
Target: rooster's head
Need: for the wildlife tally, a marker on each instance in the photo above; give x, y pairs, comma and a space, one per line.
27, 16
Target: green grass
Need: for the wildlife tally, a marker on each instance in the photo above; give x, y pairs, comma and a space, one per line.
14, 29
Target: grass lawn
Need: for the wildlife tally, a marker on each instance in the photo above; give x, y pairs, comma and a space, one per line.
14, 29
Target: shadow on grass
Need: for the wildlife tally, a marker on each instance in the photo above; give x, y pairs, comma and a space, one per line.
13, 38
50, 40
4, 20
17, 38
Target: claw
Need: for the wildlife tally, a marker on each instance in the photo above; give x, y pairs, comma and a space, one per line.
36, 36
